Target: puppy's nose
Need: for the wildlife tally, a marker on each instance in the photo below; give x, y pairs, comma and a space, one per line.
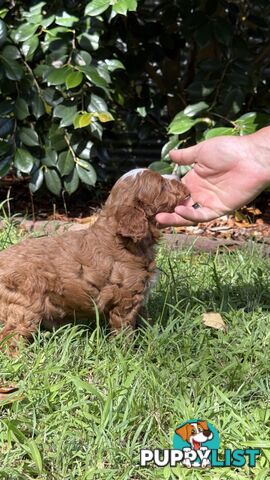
207, 433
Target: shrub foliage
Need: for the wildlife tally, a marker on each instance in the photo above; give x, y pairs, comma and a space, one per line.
69, 70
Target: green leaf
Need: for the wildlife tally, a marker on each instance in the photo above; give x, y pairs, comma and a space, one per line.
66, 20
50, 158
192, 110
97, 104
65, 162
141, 111
251, 122
46, 22
6, 126
83, 149
53, 181
103, 71
67, 114
174, 142
182, 123
122, 6
96, 129
104, 116
36, 9
93, 75
203, 35
217, 132
35, 19
36, 180
83, 164
223, 31
37, 105
56, 138
5, 165
25, 31
29, 137
3, 33
21, 109
4, 147
88, 175
11, 52
71, 181
82, 119
96, 7
23, 160
114, 64
161, 167
82, 58
89, 41
201, 88
233, 100
58, 76
29, 47
6, 106
13, 69
62, 34
74, 79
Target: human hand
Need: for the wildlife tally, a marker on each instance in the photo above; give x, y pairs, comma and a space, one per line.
228, 172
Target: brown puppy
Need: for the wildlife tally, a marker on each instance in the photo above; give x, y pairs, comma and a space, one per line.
55, 280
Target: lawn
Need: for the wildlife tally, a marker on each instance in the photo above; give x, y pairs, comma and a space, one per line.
90, 403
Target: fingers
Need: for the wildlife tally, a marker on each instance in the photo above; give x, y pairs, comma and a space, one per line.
202, 214
172, 219
185, 156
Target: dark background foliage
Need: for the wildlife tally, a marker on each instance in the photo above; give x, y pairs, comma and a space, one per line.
92, 89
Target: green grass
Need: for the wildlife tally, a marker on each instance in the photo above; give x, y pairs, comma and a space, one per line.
90, 403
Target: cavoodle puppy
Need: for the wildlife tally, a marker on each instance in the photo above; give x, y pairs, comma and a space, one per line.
56, 280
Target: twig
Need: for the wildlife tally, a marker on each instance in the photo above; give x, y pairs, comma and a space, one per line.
70, 148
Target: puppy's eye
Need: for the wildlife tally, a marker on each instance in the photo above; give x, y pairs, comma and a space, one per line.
200, 429
193, 431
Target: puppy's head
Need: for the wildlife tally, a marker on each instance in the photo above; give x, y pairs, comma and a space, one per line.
139, 195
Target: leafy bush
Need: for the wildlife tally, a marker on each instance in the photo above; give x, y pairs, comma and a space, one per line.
54, 90
196, 65
67, 68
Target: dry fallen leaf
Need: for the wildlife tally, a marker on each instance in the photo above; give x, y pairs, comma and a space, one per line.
214, 320
89, 220
9, 394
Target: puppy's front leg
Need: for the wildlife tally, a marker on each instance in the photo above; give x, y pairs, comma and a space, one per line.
125, 313
20, 326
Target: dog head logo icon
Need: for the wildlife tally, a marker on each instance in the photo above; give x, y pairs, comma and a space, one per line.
196, 438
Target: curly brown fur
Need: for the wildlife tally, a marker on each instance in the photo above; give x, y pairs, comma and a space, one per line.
53, 280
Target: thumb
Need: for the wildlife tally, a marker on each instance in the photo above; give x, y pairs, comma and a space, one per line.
185, 156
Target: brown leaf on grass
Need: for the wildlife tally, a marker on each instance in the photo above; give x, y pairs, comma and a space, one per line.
90, 220
214, 320
9, 394
254, 211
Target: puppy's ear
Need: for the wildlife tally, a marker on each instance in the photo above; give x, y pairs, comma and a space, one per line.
132, 223
184, 432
